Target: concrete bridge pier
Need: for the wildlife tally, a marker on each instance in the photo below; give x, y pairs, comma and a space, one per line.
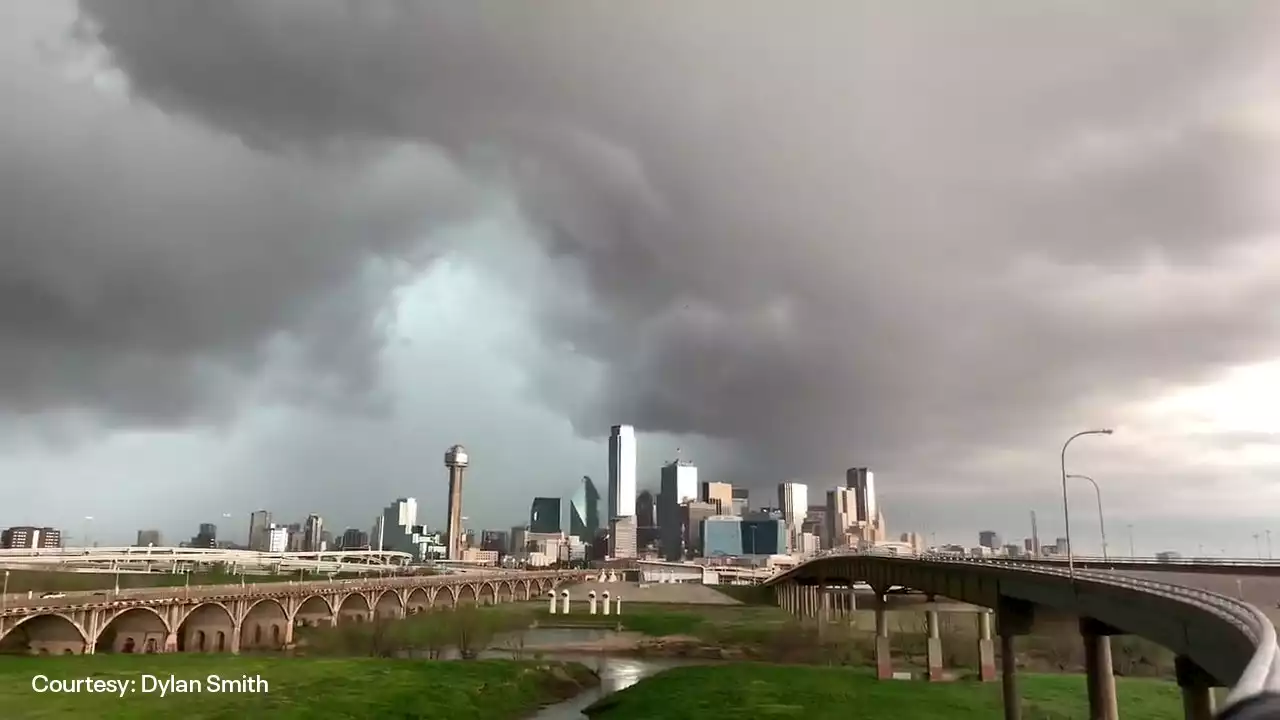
933, 647
986, 649
1013, 618
1099, 669
884, 651
1197, 689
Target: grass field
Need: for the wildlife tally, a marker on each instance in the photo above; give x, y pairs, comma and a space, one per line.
302, 688
780, 691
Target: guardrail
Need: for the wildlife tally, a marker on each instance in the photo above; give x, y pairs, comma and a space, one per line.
187, 592
1261, 674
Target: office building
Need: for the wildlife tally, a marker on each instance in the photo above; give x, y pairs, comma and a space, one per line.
259, 522
206, 536
719, 494
355, 539
793, 498
584, 511
544, 515
622, 471
989, 539
764, 536
277, 538
646, 514
29, 537
457, 460
394, 530
722, 536
496, 540
863, 483
741, 501
622, 537
679, 485
519, 539
148, 538
841, 513
312, 530
692, 515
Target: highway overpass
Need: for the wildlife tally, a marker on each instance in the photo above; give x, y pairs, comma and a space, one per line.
1219, 640
233, 617
167, 559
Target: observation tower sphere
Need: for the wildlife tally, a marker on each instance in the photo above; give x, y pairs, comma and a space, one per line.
456, 456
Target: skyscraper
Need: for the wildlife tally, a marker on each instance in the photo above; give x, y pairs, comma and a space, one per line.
863, 482
584, 511
544, 515
645, 515
679, 485
622, 471
312, 530
395, 527
457, 460
259, 523
793, 500
719, 494
841, 513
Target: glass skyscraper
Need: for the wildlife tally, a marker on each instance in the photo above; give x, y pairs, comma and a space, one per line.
584, 511
544, 515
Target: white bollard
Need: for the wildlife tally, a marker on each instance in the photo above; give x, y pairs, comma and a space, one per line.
606, 602
552, 595
601, 578
617, 605
564, 606
591, 597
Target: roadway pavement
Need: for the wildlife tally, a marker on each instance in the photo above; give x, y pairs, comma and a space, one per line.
1261, 591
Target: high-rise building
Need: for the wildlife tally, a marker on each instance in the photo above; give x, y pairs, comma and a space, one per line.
584, 511
622, 471
719, 494
841, 513
793, 499
692, 515
394, 530
544, 515
311, 533
259, 522
457, 460
277, 538
741, 501
679, 485
497, 540
206, 536
148, 538
764, 536
989, 539
28, 537
646, 516
354, 539
722, 536
863, 482
622, 537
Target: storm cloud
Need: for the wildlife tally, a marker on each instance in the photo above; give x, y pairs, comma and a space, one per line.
905, 235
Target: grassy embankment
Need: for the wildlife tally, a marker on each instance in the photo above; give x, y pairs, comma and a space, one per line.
42, 581
355, 688
755, 690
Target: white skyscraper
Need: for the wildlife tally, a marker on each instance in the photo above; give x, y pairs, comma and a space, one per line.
793, 499
863, 482
622, 472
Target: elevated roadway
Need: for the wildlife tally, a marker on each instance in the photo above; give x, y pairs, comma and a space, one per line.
1219, 640
168, 559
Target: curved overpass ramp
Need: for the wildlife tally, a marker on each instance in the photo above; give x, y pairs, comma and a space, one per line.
1219, 640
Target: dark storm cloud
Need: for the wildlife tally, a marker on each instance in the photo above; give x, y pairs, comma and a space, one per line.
806, 227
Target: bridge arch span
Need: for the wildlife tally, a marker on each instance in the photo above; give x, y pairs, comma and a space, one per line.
45, 634
506, 591
466, 595
388, 605
265, 626
417, 601
314, 611
133, 630
487, 594
353, 608
209, 627
443, 597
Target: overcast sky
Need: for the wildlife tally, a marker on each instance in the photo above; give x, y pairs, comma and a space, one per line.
282, 254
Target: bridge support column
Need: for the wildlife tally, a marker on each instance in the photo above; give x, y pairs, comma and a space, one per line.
171, 643
933, 647
986, 650
1197, 689
884, 651
1101, 679
1015, 618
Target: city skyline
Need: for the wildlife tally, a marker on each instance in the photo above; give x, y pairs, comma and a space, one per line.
306, 288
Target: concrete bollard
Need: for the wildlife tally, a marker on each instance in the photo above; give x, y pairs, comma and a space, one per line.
601, 577
617, 605
564, 605
591, 598
606, 602
552, 595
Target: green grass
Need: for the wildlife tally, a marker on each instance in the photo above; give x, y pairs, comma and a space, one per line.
301, 688
780, 691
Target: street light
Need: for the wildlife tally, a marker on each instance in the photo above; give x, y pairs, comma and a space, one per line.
1066, 510
1102, 524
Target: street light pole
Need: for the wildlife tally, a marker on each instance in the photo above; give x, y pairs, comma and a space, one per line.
1066, 510
1102, 523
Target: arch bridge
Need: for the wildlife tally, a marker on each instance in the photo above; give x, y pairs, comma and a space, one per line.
228, 618
1218, 640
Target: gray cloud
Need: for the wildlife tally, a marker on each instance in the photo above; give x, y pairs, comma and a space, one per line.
898, 234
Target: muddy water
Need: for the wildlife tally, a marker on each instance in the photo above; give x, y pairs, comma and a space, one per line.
616, 673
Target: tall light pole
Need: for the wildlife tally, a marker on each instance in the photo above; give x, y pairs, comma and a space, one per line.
1257, 545
1066, 510
1102, 523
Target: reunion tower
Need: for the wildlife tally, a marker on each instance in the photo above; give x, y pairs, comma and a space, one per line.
455, 458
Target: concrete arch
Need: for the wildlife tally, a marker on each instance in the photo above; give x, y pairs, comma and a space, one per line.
523, 590
47, 634
134, 630
487, 594
388, 605
265, 626
418, 601
443, 598
506, 591
354, 608
207, 628
313, 612
537, 588
465, 595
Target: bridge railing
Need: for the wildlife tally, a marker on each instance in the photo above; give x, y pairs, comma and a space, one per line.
1261, 674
